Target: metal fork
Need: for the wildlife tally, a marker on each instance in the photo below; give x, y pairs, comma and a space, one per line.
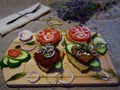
33, 11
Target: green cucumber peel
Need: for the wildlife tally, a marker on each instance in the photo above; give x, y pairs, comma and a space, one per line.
4, 62
68, 48
15, 62
58, 65
95, 63
100, 45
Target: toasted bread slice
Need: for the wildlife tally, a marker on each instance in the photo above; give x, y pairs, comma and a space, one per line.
81, 67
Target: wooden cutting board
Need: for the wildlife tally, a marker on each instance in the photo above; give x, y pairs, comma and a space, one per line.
80, 79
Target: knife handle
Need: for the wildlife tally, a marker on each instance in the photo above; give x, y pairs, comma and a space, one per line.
12, 21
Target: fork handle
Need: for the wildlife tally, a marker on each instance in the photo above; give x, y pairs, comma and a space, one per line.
12, 21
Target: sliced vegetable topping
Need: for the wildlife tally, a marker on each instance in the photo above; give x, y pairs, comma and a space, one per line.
48, 36
4, 62
79, 33
100, 45
59, 65
81, 48
14, 52
49, 51
27, 47
35, 74
14, 62
23, 57
25, 35
68, 48
66, 77
99, 40
95, 63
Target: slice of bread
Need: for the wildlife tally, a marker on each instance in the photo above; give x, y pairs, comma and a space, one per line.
81, 67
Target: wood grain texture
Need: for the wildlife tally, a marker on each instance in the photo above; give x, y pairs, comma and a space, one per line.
80, 79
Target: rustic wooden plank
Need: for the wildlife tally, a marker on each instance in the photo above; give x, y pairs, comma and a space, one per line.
80, 79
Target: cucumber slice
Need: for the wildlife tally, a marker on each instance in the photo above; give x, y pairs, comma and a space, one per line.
23, 57
13, 63
100, 45
102, 50
28, 58
68, 48
4, 62
95, 63
99, 40
59, 65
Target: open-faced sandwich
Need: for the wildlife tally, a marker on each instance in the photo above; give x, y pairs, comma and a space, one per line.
82, 56
79, 34
49, 36
84, 48
48, 57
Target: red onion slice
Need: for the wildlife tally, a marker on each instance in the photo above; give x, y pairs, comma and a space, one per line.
36, 78
27, 47
48, 37
41, 33
25, 35
85, 29
53, 32
68, 73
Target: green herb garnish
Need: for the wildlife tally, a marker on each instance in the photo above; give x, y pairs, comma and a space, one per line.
97, 76
114, 74
15, 77
64, 43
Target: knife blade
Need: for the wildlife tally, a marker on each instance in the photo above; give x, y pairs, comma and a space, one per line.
33, 11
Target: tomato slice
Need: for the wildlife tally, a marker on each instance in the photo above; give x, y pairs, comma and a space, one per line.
80, 34
14, 52
48, 36
41, 33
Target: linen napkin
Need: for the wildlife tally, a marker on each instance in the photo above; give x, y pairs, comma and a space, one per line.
6, 28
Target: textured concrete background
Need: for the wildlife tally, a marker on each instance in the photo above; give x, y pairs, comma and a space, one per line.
111, 33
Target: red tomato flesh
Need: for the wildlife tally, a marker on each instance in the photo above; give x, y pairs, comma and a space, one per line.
14, 52
49, 36
80, 34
